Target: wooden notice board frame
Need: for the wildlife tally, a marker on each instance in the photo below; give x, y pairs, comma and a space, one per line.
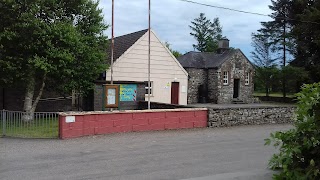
110, 96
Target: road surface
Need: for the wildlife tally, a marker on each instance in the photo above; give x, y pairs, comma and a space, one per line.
196, 154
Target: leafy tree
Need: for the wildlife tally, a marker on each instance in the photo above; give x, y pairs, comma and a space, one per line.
59, 43
206, 32
299, 156
175, 53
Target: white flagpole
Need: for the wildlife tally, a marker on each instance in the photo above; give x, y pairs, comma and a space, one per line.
112, 42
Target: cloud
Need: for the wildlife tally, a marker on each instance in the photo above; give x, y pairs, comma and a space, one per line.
170, 19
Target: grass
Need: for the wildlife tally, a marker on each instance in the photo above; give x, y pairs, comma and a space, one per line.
40, 128
274, 94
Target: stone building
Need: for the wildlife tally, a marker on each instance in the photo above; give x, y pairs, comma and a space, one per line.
222, 77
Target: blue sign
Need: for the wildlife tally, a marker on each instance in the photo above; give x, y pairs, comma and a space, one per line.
128, 92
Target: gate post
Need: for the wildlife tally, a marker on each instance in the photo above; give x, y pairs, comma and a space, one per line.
4, 123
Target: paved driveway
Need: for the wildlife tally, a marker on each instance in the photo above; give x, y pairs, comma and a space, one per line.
198, 154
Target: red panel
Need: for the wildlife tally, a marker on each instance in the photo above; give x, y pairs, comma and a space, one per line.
157, 120
202, 118
187, 114
157, 127
79, 119
172, 126
139, 115
200, 124
89, 131
102, 117
201, 113
140, 122
121, 122
172, 120
126, 116
121, 129
89, 124
186, 125
155, 115
188, 119
141, 128
106, 123
104, 130
89, 117
76, 125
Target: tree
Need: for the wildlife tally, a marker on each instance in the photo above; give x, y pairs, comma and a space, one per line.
206, 33
299, 147
55, 42
175, 53
264, 58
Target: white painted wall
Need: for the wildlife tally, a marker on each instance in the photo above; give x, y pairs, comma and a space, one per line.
133, 66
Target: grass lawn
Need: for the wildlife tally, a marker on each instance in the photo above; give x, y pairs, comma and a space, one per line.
40, 128
273, 94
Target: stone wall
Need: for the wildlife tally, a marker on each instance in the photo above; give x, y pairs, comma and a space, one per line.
197, 77
237, 66
224, 117
213, 85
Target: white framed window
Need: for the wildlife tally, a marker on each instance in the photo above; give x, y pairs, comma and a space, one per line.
247, 78
225, 78
147, 88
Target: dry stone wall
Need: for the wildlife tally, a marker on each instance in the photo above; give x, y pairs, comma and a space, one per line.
225, 117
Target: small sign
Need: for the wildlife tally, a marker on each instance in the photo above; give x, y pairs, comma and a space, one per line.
70, 119
128, 92
184, 89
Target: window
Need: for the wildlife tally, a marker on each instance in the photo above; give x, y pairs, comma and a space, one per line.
146, 87
247, 78
225, 77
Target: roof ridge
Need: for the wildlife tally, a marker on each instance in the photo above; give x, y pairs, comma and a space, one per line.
131, 33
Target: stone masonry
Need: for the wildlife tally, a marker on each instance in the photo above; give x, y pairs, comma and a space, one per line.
225, 117
197, 77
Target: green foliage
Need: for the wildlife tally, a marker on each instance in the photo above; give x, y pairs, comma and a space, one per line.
206, 32
299, 156
61, 40
174, 53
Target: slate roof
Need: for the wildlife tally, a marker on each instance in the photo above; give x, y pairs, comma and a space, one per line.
204, 60
123, 43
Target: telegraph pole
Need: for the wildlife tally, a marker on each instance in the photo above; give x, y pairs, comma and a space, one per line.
149, 54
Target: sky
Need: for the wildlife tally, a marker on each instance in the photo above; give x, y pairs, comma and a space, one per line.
170, 20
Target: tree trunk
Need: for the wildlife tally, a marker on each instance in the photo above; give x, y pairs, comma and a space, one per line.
29, 105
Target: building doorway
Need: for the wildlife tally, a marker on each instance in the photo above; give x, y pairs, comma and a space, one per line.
236, 88
175, 93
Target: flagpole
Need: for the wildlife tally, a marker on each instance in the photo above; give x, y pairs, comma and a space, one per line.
112, 42
149, 54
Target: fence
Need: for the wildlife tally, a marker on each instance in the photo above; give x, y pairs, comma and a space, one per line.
38, 125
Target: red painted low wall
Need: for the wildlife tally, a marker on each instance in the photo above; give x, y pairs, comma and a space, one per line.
96, 123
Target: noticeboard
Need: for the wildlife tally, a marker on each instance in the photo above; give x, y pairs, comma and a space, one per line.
111, 96
128, 92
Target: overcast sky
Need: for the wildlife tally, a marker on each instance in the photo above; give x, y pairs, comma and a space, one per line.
170, 19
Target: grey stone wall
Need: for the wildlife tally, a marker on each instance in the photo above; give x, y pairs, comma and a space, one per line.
237, 66
197, 77
213, 85
225, 117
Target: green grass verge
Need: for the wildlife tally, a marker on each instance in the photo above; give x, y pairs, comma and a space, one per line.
274, 94
40, 128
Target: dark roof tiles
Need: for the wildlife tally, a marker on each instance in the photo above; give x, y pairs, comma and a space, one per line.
203, 60
123, 43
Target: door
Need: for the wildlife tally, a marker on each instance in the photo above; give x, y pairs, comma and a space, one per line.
236, 88
175, 93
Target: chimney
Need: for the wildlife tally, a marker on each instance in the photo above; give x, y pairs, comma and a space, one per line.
223, 45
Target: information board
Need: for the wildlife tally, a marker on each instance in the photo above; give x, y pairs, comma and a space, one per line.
128, 92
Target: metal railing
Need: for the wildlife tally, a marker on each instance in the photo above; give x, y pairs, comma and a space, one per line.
26, 125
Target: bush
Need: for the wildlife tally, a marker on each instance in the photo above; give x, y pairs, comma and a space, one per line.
299, 156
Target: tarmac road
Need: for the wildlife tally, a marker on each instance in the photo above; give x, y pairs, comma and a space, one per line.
197, 154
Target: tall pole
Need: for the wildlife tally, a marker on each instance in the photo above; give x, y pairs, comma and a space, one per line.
149, 54
112, 42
